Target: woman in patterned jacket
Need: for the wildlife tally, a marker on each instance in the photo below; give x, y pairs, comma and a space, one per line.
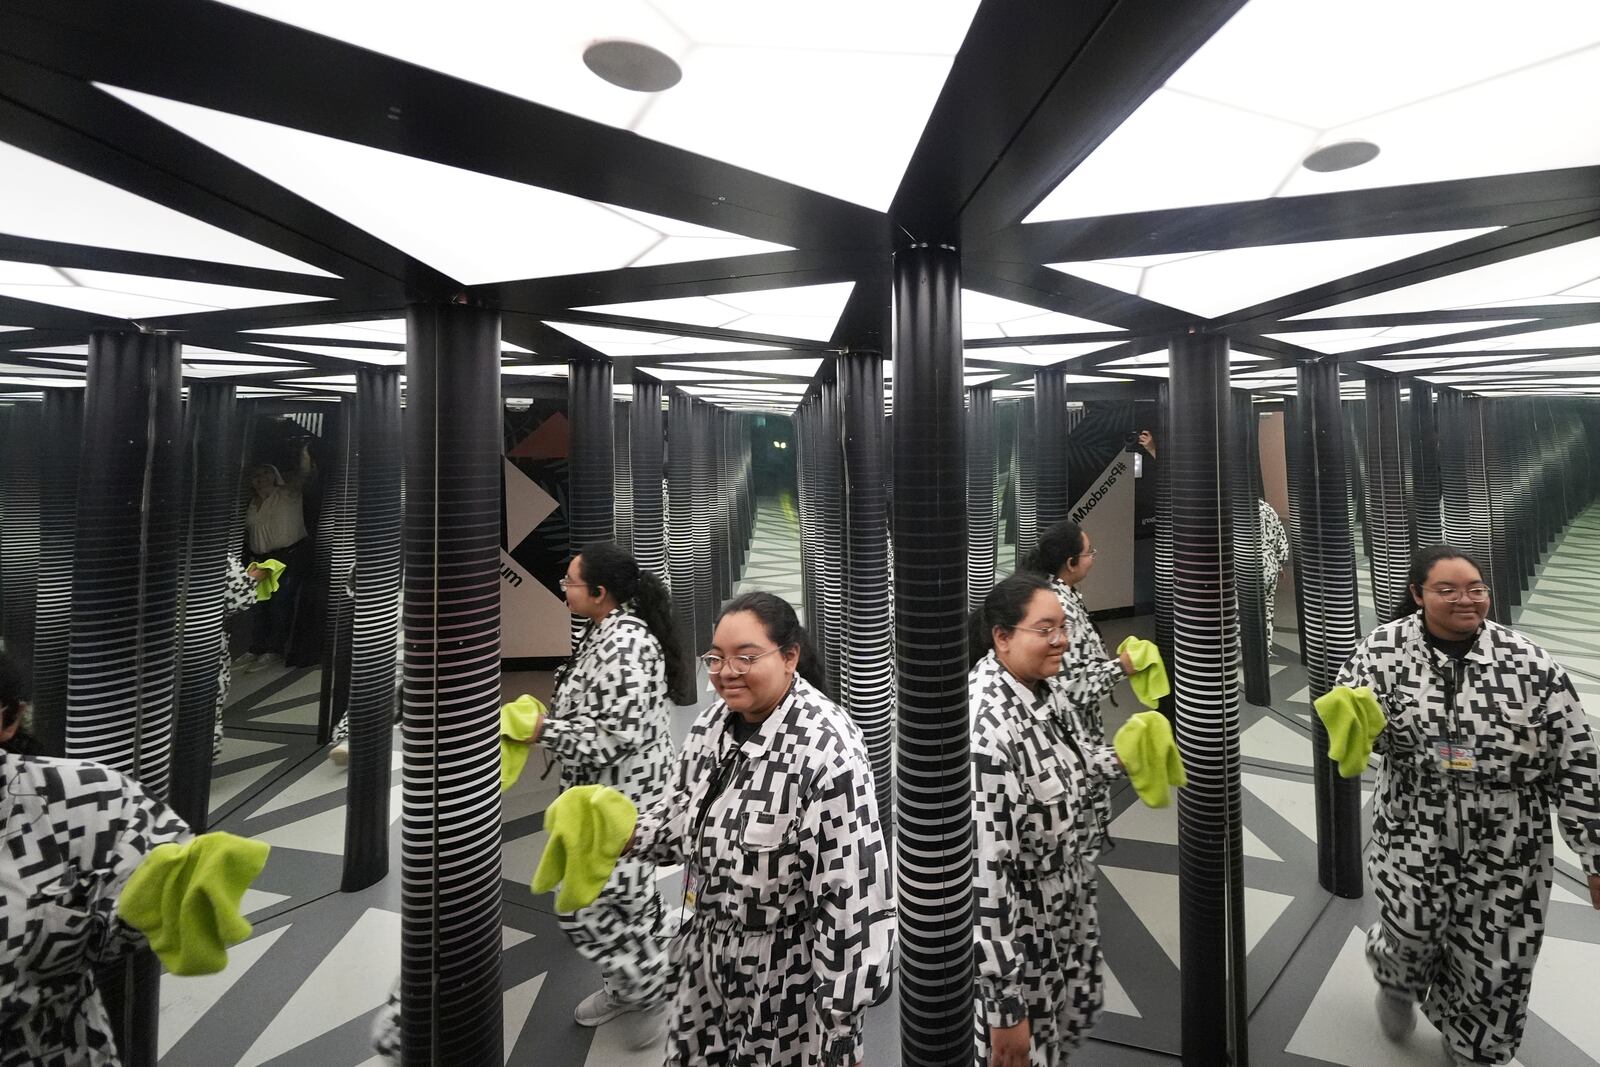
610, 723
1040, 978
1274, 557
1088, 674
788, 933
1485, 738
71, 835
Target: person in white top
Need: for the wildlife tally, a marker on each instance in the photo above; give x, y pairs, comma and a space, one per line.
275, 528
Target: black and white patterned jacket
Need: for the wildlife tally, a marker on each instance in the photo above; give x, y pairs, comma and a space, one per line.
1088, 673
1274, 542
1516, 717
610, 720
1032, 793
793, 838
71, 834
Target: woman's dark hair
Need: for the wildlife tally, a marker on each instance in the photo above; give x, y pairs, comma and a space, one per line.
1059, 545
783, 627
606, 564
1421, 564
1004, 607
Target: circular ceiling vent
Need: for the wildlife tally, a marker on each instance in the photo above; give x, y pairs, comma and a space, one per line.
1341, 156
631, 65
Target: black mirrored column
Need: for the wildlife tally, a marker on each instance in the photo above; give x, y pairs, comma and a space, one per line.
1388, 509
680, 501
1163, 553
379, 526
211, 466
590, 514
1206, 661
869, 618
336, 556
60, 445
1027, 512
647, 446
982, 513
703, 493
1250, 578
1424, 495
450, 839
1052, 500
19, 526
622, 474
934, 777
1325, 580
829, 503
122, 649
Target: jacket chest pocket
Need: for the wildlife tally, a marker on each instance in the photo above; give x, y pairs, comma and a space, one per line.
1052, 807
769, 850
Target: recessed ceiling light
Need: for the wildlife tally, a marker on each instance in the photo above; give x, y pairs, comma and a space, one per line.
631, 65
1342, 155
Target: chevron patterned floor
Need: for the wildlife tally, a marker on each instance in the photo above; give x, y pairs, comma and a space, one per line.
303, 989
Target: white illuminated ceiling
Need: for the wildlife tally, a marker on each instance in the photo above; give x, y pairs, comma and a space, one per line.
830, 96
129, 296
809, 312
801, 367
1442, 97
1350, 340
1586, 335
1036, 355
375, 356
1214, 283
984, 316
47, 201
626, 344
1570, 271
474, 227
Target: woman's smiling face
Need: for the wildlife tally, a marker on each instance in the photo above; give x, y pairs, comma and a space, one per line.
758, 691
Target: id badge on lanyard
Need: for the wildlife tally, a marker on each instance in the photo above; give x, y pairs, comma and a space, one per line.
1454, 757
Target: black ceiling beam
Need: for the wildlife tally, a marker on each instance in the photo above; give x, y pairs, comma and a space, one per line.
69, 121
683, 329
17, 312
1034, 89
89, 257
1502, 200
194, 52
1053, 290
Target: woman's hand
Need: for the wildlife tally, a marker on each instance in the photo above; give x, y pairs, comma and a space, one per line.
256, 573
1127, 663
1594, 891
1008, 1045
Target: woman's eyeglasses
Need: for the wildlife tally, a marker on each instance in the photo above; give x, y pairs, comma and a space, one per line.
738, 666
1051, 634
1478, 594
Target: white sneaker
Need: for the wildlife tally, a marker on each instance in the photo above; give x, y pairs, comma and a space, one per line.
340, 755
1397, 1014
245, 662
598, 1008
644, 1029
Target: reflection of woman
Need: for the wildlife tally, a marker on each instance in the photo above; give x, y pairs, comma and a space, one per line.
275, 528
1274, 557
1485, 737
790, 931
609, 723
1088, 674
1037, 935
238, 594
73, 834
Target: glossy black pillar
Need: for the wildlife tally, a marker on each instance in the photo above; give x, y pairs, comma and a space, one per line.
680, 501
703, 493
1163, 553
122, 650
869, 618
1464, 491
1206, 661
60, 445
1325, 584
934, 777
1424, 494
829, 500
336, 557
982, 514
1052, 500
622, 474
590, 515
1250, 578
646, 447
211, 468
1388, 509
379, 523
805, 479
19, 527
450, 838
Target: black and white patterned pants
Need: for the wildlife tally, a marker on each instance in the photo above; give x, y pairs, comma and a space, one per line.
622, 934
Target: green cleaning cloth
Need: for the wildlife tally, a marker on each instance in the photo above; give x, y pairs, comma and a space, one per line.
269, 582
518, 720
587, 827
1354, 720
1149, 677
185, 900
1150, 756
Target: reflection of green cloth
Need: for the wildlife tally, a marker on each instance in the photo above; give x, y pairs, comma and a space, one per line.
269, 582
1149, 677
1150, 756
1354, 720
518, 720
587, 827
185, 900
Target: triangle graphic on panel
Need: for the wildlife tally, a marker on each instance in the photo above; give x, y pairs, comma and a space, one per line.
51, 202
548, 441
185, 1002
474, 227
516, 1006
